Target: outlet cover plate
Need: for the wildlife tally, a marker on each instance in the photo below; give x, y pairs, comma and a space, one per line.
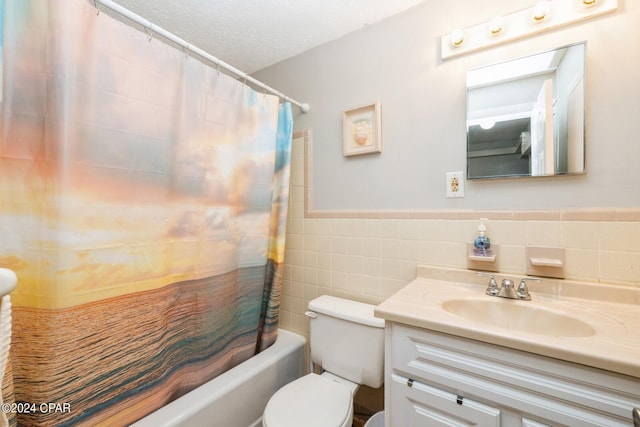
455, 184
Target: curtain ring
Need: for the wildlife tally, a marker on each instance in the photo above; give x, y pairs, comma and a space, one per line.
96, 4
185, 49
150, 33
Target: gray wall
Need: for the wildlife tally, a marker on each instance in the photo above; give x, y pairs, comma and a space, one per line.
423, 103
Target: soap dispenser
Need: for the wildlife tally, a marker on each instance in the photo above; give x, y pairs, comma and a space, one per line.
482, 244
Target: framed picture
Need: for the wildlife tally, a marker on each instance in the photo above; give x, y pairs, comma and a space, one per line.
361, 130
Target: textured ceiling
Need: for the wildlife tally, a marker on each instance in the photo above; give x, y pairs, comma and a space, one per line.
253, 34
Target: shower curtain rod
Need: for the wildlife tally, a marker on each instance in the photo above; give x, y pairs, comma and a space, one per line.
188, 47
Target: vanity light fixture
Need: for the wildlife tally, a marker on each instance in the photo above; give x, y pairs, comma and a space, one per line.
541, 11
496, 25
542, 15
457, 37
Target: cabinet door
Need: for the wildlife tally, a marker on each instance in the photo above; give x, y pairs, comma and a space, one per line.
421, 405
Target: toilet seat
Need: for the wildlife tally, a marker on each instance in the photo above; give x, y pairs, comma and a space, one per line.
310, 401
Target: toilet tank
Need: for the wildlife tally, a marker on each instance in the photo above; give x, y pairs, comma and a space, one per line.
347, 340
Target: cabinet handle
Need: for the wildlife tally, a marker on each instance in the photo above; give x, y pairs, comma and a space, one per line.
409, 383
636, 417
459, 400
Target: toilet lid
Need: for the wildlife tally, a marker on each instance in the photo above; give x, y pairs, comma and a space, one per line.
310, 401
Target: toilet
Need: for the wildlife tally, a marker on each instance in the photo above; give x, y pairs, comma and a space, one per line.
347, 342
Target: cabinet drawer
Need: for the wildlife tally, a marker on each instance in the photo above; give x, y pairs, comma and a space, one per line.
419, 405
550, 389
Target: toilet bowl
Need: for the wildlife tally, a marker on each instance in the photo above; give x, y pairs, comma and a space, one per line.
347, 343
311, 401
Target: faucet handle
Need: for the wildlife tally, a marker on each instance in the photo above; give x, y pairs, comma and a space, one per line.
523, 289
492, 288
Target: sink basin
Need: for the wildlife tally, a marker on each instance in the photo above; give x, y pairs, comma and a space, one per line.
518, 315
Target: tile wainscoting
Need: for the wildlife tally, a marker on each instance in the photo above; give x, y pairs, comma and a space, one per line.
368, 255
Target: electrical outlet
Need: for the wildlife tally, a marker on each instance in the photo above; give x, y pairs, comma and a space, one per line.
455, 184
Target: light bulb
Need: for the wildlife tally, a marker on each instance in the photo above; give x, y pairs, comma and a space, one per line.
496, 25
540, 11
457, 37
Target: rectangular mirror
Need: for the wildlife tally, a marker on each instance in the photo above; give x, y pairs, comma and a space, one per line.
525, 117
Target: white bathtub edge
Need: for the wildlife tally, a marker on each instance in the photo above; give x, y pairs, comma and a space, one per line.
238, 396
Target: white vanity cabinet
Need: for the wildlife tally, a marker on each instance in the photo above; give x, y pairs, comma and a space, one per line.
436, 379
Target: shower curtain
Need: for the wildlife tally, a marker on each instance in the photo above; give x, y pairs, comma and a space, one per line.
143, 200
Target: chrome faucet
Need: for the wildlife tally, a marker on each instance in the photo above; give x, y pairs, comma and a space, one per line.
507, 289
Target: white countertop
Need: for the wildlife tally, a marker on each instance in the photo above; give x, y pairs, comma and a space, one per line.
612, 311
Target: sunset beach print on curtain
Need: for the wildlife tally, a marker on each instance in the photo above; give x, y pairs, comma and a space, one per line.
143, 199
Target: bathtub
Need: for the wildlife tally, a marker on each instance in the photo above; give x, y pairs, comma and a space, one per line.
238, 397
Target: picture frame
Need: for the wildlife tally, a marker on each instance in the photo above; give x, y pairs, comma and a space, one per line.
361, 130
